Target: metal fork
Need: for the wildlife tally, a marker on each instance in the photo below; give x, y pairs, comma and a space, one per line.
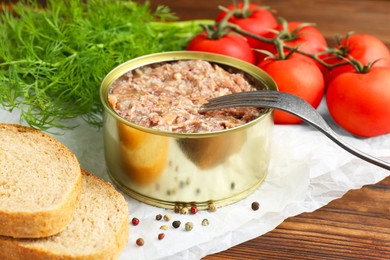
291, 104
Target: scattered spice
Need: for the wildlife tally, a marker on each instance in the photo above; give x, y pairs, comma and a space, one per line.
232, 185
158, 217
212, 207
176, 209
194, 210
189, 226
161, 236
135, 221
184, 210
205, 222
176, 223
164, 227
255, 205
140, 242
167, 217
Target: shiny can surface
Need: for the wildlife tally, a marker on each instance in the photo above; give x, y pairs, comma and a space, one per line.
169, 169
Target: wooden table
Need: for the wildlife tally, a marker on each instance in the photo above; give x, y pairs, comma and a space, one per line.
356, 226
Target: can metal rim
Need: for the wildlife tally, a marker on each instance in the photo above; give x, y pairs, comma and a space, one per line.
141, 61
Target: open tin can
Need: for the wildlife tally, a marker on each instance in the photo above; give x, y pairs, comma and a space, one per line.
169, 169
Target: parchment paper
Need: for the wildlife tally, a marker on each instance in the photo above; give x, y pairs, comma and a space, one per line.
307, 171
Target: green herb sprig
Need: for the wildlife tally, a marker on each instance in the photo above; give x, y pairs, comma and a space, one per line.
53, 59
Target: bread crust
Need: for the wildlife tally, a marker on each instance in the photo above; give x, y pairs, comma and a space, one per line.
42, 222
26, 249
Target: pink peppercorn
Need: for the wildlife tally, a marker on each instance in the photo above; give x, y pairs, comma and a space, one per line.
135, 221
194, 210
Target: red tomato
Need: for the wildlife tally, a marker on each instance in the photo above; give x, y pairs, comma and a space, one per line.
255, 19
363, 48
360, 103
308, 38
296, 75
230, 44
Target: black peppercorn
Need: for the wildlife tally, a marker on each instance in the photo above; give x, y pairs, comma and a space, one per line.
255, 205
176, 223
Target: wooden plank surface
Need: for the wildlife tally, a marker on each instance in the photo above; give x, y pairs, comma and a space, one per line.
356, 226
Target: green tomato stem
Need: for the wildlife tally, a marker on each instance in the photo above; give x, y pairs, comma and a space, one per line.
277, 42
180, 24
239, 30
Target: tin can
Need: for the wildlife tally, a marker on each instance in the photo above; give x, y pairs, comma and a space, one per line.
168, 169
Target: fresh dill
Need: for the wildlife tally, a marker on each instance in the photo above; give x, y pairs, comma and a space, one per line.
53, 59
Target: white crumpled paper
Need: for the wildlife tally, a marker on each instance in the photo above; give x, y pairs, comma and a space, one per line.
307, 171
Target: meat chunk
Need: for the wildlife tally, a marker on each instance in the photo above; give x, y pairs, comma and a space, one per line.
168, 96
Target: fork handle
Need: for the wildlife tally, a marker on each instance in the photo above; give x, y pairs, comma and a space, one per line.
371, 159
312, 117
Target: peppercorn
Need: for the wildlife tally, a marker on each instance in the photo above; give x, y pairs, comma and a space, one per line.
167, 217
189, 226
194, 210
140, 242
176, 223
164, 227
158, 217
161, 236
176, 209
212, 207
135, 221
255, 205
205, 222
184, 210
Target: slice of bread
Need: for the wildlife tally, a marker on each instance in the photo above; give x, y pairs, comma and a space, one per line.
99, 229
40, 183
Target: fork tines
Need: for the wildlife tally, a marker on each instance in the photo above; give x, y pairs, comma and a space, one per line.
242, 99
